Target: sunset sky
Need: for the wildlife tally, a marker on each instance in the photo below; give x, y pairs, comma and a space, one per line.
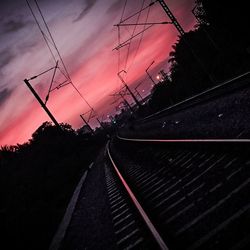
85, 36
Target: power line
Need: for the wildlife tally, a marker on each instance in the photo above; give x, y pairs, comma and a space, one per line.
145, 23
139, 44
134, 29
127, 18
119, 52
126, 42
52, 39
52, 80
40, 28
123, 11
66, 73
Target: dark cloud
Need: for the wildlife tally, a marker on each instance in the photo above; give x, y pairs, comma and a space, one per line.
5, 57
26, 46
14, 25
88, 5
116, 6
4, 95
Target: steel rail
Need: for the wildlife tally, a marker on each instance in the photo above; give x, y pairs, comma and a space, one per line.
196, 97
143, 214
182, 140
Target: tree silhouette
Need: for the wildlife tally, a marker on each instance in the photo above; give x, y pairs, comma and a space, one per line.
229, 25
37, 180
218, 47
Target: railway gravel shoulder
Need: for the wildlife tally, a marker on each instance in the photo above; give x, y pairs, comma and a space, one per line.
91, 225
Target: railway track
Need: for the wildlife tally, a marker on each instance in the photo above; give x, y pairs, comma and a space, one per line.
194, 194
222, 89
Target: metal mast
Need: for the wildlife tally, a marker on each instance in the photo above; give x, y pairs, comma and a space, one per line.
182, 32
172, 17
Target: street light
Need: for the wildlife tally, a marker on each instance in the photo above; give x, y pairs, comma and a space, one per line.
149, 74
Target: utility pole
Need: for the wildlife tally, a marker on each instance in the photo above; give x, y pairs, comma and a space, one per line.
42, 103
92, 131
182, 32
150, 77
128, 89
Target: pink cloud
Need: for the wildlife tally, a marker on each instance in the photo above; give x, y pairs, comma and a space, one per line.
93, 68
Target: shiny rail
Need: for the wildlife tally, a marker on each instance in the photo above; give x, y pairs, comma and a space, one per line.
143, 214
184, 140
214, 92
197, 196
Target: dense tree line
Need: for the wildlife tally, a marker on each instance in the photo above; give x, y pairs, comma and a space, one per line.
217, 49
37, 180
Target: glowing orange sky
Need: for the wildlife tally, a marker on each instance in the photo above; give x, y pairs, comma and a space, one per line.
85, 36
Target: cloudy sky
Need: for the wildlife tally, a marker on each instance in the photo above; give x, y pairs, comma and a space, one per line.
85, 35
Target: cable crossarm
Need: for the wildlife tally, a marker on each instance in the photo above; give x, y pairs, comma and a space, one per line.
52, 39
140, 40
119, 54
51, 83
33, 77
125, 42
134, 29
133, 24
91, 113
139, 84
127, 18
49, 39
60, 85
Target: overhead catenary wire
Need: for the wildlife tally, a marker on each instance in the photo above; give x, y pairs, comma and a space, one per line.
119, 35
51, 82
127, 18
52, 41
127, 41
41, 30
123, 10
133, 32
133, 24
132, 35
33, 77
119, 52
139, 44
146, 26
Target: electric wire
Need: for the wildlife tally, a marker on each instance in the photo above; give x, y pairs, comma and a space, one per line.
134, 29
51, 83
127, 18
139, 44
40, 28
52, 39
123, 11
66, 73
